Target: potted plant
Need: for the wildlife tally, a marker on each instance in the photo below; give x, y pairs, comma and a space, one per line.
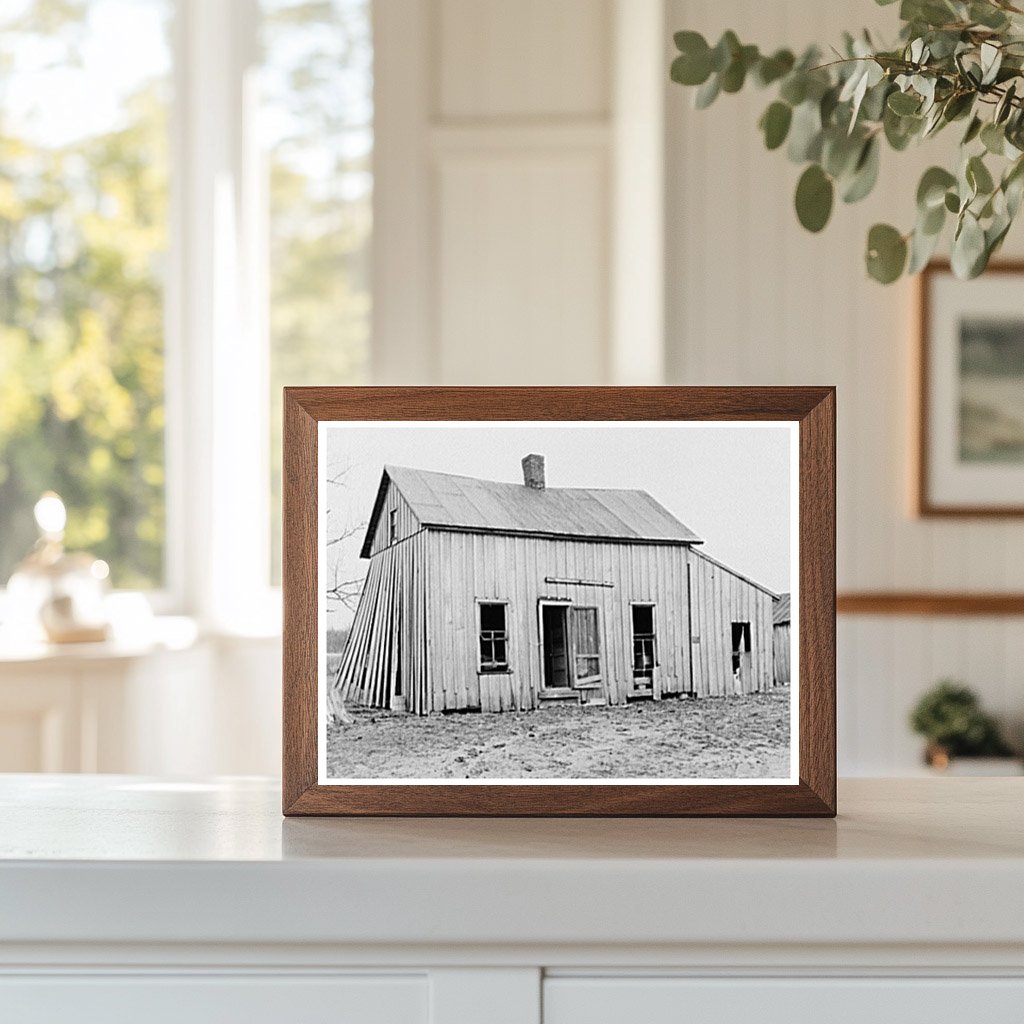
956, 62
950, 718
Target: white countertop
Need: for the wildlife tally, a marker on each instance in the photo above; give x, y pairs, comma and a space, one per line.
122, 859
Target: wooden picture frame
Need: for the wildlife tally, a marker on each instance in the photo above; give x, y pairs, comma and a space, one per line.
932, 470
810, 790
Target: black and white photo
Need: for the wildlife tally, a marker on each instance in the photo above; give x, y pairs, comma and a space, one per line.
540, 602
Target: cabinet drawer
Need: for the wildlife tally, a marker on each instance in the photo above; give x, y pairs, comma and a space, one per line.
202, 999
677, 1000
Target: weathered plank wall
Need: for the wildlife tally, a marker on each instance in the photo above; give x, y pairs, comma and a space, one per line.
481, 566
415, 631
720, 598
781, 641
406, 522
386, 653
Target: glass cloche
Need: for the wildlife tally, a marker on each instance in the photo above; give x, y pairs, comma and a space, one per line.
56, 595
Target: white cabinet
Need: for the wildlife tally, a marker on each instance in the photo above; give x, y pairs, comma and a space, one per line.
828, 1000
216, 1000
130, 899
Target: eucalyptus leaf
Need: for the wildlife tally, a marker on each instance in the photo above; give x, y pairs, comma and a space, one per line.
805, 133
1005, 105
968, 248
865, 174
775, 124
987, 15
922, 247
1013, 187
931, 190
991, 61
707, 93
1014, 192
840, 152
691, 68
993, 138
903, 103
873, 106
814, 196
973, 130
794, 88
958, 105
886, 253
932, 221
900, 130
933, 122
735, 74
978, 176
771, 69
724, 51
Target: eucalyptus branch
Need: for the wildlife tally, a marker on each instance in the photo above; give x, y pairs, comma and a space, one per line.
956, 61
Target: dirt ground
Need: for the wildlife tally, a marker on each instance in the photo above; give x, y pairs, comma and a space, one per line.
710, 738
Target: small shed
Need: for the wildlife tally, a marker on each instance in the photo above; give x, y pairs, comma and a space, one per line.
781, 640
498, 596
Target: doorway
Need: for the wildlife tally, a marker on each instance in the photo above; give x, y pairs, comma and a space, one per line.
554, 629
742, 662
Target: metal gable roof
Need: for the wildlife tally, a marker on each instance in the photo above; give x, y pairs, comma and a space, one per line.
467, 503
782, 613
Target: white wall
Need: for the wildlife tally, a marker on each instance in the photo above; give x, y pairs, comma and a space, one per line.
500, 132
754, 299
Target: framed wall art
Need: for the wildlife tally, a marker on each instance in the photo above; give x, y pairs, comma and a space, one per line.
970, 444
559, 601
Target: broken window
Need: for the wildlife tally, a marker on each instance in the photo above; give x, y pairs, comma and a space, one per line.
393, 526
740, 643
644, 642
493, 638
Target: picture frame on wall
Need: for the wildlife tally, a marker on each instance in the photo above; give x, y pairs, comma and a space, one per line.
970, 384
559, 601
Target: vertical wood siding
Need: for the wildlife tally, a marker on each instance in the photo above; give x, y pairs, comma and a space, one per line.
720, 598
782, 653
386, 654
482, 567
406, 522
415, 633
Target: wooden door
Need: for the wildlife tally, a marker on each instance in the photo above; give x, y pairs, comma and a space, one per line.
555, 631
586, 654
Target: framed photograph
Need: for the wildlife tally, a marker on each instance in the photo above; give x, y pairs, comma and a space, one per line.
970, 451
559, 601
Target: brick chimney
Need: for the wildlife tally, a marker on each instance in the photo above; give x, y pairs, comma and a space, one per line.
533, 472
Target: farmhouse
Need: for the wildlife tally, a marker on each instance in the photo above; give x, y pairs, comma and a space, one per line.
501, 596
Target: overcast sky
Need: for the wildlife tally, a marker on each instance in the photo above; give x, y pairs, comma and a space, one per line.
729, 484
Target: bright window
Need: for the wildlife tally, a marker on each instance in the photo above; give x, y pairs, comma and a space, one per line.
167, 264
83, 237
317, 89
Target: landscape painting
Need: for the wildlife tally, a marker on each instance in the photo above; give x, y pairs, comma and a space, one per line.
538, 602
992, 389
